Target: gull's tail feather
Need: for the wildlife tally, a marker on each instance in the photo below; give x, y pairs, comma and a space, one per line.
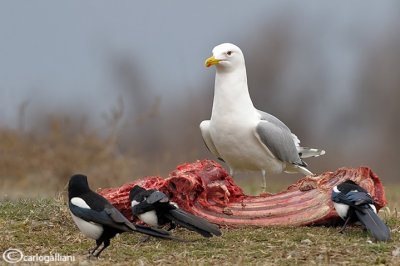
379, 230
305, 152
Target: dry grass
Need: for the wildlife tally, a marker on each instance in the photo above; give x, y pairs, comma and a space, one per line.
45, 227
40, 166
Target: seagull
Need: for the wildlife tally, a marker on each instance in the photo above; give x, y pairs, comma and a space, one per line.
353, 202
245, 138
154, 208
98, 219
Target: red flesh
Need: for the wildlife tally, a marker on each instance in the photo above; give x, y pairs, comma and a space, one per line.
204, 188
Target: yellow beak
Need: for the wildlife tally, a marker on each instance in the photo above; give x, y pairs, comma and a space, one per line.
211, 61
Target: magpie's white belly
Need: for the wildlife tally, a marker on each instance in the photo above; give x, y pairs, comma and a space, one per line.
89, 229
240, 148
149, 218
341, 209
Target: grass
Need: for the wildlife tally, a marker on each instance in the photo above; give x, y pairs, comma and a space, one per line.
45, 227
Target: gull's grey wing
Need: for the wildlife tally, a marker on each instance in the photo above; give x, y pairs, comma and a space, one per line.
304, 152
270, 118
277, 137
205, 132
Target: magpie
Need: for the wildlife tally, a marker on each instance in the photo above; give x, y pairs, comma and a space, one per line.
154, 208
98, 219
354, 203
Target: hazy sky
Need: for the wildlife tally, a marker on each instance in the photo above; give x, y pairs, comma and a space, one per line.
57, 53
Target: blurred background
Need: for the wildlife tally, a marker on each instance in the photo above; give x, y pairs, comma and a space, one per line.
117, 90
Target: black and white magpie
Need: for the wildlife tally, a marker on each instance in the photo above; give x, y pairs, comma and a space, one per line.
354, 203
154, 208
98, 219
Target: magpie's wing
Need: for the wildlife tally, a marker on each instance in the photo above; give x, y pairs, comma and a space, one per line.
353, 198
142, 207
374, 224
193, 223
99, 217
113, 218
341, 198
117, 217
157, 196
359, 198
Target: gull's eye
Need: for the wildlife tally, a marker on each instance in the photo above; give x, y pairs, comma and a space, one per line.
229, 52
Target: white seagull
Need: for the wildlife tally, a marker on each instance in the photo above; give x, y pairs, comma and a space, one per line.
242, 136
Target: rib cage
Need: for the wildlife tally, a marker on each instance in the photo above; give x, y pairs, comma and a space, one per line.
204, 188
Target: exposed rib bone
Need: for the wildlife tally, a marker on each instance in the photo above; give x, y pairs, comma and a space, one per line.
205, 189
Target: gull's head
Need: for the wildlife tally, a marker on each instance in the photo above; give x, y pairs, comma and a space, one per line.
226, 56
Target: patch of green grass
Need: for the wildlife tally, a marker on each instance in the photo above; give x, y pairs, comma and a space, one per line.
45, 227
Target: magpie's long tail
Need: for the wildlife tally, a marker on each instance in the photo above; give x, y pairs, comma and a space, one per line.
379, 230
193, 223
156, 232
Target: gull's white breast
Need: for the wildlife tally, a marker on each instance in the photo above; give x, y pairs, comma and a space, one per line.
235, 138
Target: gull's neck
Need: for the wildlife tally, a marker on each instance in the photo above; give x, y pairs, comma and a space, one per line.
231, 94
